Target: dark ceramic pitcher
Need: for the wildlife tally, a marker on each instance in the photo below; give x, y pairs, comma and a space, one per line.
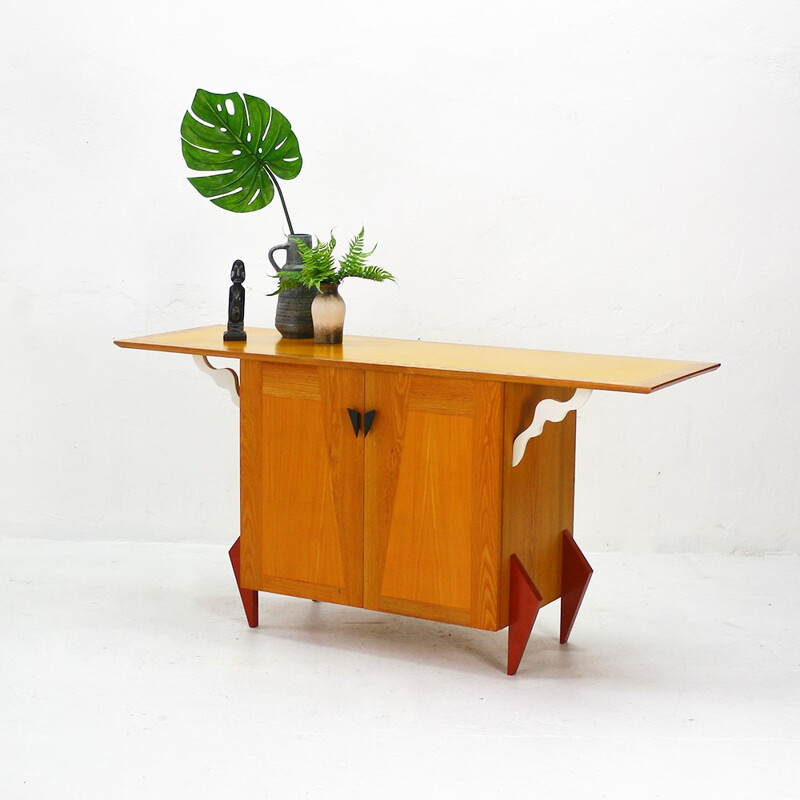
293, 314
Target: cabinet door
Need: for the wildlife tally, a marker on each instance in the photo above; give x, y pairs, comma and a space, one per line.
432, 505
302, 473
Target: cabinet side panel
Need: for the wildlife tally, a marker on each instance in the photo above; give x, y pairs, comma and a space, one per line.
538, 494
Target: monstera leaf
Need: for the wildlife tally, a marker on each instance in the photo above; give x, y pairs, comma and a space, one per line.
245, 143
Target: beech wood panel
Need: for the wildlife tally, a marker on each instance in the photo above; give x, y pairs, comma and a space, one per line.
302, 482
432, 503
541, 367
538, 494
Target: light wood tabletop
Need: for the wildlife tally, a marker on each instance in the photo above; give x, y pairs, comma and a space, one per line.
515, 365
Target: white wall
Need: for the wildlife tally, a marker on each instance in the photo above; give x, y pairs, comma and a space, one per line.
615, 177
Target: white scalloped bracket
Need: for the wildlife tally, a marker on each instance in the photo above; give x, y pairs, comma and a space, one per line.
547, 411
224, 377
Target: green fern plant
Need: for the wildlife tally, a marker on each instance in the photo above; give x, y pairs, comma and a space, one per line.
319, 266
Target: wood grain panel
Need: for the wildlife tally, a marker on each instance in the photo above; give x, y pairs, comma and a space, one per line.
486, 479
538, 494
383, 453
297, 383
517, 365
450, 397
432, 516
250, 504
428, 558
307, 540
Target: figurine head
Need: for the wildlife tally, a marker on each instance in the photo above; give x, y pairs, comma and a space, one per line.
237, 271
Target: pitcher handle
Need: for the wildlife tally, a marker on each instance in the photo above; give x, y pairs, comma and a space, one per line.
284, 246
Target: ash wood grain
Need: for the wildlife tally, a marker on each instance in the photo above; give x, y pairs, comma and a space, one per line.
541, 367
487, 489
250, 501
538, 494
302, 479
432, 502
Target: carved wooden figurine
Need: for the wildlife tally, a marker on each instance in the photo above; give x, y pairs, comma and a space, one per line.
236, 332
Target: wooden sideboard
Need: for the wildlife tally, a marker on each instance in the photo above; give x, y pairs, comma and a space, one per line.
431, 480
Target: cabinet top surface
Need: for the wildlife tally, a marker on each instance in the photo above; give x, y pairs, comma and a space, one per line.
615, 373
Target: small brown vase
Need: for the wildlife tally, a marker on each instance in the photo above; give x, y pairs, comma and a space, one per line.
327, 311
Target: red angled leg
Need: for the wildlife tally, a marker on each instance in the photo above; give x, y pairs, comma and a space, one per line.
575, 574
249, 596
523, 606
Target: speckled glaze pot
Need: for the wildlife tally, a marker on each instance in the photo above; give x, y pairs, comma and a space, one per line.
327, 311
293, 314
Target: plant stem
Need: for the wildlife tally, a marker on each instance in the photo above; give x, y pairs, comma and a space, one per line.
280, 194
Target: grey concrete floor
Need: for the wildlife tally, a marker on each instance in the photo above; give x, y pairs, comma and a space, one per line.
127, 671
